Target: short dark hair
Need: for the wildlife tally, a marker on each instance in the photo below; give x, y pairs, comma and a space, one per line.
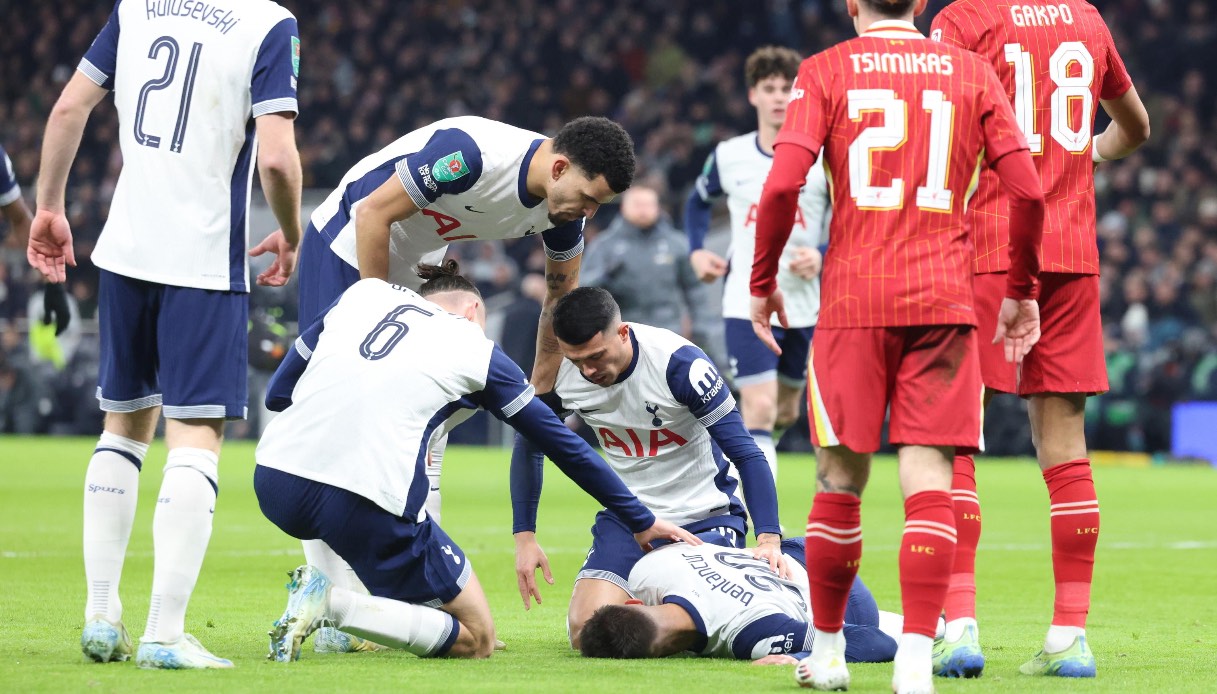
598, 146
618, 631
768, 61
889, 8
445, 277
584, 313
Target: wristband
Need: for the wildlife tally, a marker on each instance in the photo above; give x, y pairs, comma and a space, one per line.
1094, 150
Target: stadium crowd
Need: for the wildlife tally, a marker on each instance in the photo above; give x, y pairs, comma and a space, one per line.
671, 72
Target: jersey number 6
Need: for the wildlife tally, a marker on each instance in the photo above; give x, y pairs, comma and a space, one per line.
387, 333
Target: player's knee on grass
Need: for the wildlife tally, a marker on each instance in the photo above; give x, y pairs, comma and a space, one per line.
590, 594
472, 611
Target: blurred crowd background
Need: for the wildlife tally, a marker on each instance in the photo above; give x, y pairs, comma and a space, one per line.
671, 72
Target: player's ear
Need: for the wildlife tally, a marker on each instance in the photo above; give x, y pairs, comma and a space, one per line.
851, 7
623, 332
560, 166
752, 95
919, 7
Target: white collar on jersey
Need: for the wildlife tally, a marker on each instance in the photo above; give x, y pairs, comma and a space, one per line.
893, 29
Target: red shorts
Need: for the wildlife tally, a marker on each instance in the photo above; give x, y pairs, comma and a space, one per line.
928, 376
1069, 357
997, 373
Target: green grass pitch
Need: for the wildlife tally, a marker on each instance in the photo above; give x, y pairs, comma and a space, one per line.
1152, 626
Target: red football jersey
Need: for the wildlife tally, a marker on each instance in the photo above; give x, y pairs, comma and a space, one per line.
904, 123
1055, 61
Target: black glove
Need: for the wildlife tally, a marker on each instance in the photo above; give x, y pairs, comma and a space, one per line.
55, 307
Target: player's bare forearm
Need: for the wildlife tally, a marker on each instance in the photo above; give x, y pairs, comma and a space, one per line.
1128, 130
18, 215
64, 128
387, 204
280, 171
560, 279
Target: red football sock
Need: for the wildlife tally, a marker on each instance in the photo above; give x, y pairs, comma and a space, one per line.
1075, 532
926, 554
961, 596
833, 552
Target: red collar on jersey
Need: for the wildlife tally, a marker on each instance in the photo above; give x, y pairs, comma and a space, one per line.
894, 28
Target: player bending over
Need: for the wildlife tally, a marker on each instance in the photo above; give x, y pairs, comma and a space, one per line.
364, 393
664, 418
725, 603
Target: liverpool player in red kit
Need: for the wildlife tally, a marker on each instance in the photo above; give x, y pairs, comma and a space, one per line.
904, 124
1056, 61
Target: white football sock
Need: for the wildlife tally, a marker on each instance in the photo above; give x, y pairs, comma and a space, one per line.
435, 465
335, 568
414, 628
956, 627
828, 644
181, 530
914, 658
1060, 638
891, 624
111, 492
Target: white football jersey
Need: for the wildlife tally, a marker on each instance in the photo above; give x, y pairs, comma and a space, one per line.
388, 374
738, 168
467, 175
189, 78
725, 591
9, 189
652, 426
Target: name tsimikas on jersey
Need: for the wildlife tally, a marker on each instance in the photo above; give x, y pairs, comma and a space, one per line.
716, 581
210, 15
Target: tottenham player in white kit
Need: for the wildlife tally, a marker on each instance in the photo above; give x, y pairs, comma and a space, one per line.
461, 179
770, 386
365, 393
198, 91
725, 603
665, 419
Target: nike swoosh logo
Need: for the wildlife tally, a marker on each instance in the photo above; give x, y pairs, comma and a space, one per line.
597, 409
470, 208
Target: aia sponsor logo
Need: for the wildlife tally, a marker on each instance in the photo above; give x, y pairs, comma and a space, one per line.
630, 441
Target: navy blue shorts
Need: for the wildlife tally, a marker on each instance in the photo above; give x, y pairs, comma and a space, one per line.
614, 551
394, 558
323, 276
752, 362
180, 347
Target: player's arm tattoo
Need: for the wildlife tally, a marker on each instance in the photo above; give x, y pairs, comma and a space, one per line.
560, 278
823, 484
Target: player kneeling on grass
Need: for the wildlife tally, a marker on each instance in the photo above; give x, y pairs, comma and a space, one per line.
665, 419
724, 603
365, 392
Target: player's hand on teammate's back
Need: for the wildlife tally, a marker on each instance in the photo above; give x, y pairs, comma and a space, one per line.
762, 309
665, 530
807, 262
707, 265
284, 264
530, 557
1018, 326
769, 549
50, 245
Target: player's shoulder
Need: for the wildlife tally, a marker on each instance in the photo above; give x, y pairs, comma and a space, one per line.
964, 13
739, 149
490, 134
658, 344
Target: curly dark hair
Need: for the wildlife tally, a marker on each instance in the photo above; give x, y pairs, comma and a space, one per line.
445, 277
598, 146
583, 313
618, 631
768, 61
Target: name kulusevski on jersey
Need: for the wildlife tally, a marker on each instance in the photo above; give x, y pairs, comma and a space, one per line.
664, 427
467, 175
188, 80
394, 372
738, 168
